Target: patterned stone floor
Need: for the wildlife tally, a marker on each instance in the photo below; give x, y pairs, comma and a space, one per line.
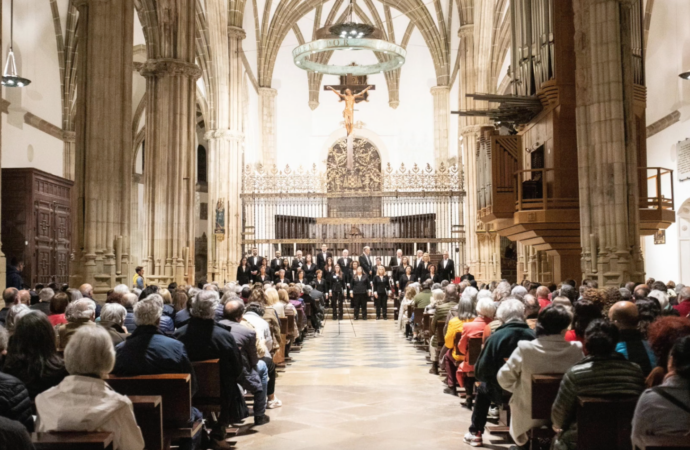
361, 386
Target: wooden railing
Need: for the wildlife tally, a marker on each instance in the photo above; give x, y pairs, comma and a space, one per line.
658, 185
534, 191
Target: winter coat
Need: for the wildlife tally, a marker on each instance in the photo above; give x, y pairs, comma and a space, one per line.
498, 348
15, 403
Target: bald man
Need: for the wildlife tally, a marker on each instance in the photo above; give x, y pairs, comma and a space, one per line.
632, 344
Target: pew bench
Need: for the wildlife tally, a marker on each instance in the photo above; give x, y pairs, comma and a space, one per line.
175, 391
605, 423
662, 443
72, 441
148, 412
544, 392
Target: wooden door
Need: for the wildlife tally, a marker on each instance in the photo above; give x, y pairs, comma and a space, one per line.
43, 243
61, 242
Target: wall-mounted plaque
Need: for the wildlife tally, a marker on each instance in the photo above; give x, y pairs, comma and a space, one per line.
684, 160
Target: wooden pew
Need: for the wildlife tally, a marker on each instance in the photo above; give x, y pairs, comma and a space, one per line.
605, 423
176, 393
207, 397
544, 391
438, 332
662, 443
418, 316
279, 357
474, 348
148, 411
72, 441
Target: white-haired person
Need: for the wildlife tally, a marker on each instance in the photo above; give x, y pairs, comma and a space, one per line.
465, 313
112, 320
79, 313
204, 339
497, 350
548, 353
83, 401
404, 317
444, 303
147, 351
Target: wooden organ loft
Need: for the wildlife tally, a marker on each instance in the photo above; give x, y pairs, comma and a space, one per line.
527, 177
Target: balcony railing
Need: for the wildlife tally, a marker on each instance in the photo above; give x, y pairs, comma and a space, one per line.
657, 192
534, 190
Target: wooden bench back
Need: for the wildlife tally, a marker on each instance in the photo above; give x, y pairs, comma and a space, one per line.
283, 326
662, 443
544, 391
175, 389
440, 338
474, 348
605, 423
410, 310
72, 441
418, 316
207, 379
291, 322
426, 322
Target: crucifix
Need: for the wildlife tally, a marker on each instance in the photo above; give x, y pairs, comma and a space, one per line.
353, 89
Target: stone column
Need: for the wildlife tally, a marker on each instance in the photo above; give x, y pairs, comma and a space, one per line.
607, 152
267, 125
169, 172
69, 139
103, 142
441, 122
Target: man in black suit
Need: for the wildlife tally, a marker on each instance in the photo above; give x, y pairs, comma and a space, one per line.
366, 262
446, 268
276, 263
298, 262
395, 264
467, 275
418, 264
344, 264
322, 257
255, 261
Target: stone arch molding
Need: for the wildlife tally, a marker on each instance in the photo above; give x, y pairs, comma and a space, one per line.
363, 133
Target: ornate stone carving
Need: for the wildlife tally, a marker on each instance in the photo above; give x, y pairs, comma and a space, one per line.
165, 67
365, 176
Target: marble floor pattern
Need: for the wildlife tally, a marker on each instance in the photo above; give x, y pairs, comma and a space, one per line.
361, 386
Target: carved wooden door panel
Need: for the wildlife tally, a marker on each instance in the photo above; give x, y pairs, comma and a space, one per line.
62, 238
43, 250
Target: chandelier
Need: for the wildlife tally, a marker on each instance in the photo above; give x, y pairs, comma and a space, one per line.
9, 76
349, 35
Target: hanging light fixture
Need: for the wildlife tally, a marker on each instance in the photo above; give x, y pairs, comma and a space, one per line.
349, 35
685, 75
9, 76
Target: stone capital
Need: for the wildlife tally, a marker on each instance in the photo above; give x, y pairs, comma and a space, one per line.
439, 90
466, 30
236, 32
165, 67
267, 92
69, 136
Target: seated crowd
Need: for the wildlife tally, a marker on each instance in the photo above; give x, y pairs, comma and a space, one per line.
59, 348
488, 341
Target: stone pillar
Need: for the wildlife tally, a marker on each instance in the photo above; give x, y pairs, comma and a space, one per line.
441, 123
470, 138
267, 125
69, 139
169, 172
103, 142
607, 152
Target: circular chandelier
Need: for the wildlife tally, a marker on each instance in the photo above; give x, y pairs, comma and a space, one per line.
9, 76
349, 36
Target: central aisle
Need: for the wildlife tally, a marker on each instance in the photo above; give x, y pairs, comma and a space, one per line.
360, 386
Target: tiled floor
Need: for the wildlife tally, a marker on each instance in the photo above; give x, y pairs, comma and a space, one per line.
361, 386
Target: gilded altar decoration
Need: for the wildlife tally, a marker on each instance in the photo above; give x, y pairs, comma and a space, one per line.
365, 175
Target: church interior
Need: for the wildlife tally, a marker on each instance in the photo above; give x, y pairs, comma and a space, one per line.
293, 224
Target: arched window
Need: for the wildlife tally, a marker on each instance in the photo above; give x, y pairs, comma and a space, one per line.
201, 173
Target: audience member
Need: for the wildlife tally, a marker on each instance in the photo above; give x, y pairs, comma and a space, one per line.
11, 297
444, 302
532, 308
204, 339
604, 372
15, 403
32, 356
128, 301
43, 304
548, 353
83, 401
497, 349
13, 435
584, 313
631, 343
80, 313
58, 306
543, 296
180, 305
683, 306
663, 334
15, 313
112, 320
665, 410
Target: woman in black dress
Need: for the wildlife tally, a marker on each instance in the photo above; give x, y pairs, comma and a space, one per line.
381, 290
285, 265
244, 275
403, 268
404, 280
328, 268
337, 285
309, 269
320, 284
431, 275
300, 277
269, 272
262, 277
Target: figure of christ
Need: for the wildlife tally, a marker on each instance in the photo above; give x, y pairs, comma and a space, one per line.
350, 101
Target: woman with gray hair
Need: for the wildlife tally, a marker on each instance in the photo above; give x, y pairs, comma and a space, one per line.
112, 320
80, 313
13, 316
465, 313
83, 401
